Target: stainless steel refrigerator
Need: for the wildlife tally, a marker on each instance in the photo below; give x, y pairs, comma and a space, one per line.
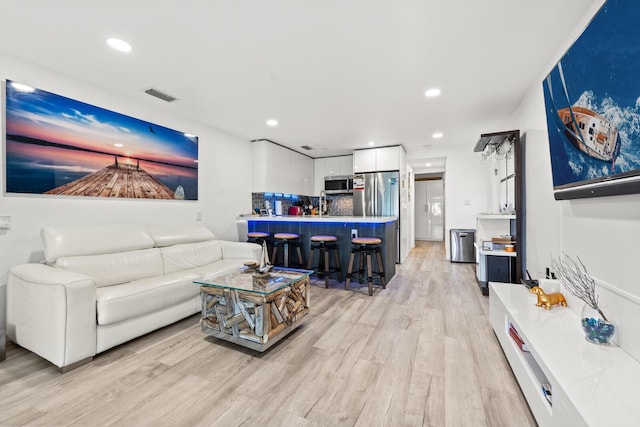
380, 196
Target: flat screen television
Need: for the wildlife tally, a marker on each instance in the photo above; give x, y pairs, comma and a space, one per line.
592, 101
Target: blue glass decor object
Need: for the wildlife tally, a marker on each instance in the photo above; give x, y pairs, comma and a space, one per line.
596, 329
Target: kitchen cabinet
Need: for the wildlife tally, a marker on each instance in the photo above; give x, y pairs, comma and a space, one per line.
318, 175
338, 166
277, 169
330, 166
501, 268
364, 160
388, 158
378, 159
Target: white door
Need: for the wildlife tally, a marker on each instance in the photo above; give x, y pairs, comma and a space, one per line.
429, 210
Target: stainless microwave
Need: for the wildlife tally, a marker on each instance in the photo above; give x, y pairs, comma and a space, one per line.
338, 184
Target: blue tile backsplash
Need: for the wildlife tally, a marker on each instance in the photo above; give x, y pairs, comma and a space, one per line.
339, 204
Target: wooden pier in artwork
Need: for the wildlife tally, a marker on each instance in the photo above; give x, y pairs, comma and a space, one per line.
116, 180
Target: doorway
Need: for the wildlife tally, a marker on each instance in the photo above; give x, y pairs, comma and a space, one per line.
429, 208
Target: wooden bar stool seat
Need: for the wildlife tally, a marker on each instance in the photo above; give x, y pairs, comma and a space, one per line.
325, 245
259, 237
287, 241
365, 247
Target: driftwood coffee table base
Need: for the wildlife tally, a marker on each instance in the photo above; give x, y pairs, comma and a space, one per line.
253, 320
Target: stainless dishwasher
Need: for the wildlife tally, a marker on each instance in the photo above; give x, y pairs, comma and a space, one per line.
461, 244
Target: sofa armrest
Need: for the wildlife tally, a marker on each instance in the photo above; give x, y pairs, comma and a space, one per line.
52, 312
241, 250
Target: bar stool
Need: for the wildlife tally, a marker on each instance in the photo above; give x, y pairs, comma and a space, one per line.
325, 245
365, 247
258, 237
287, 241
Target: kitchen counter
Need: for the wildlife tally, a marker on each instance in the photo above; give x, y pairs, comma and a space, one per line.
495, 252
323, 218
383, 227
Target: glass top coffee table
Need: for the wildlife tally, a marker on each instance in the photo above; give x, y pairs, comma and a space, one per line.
252, 309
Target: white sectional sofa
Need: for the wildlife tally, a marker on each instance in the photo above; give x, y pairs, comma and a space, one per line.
101, 286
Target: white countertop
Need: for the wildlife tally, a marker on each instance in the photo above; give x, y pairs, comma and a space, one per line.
486, 252
495, 216
324, 218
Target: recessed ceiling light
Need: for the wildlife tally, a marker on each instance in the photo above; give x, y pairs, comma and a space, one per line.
432, 93
437, 135
272, 122
118, 44
22, 87
427, 164
372, 143
118, 145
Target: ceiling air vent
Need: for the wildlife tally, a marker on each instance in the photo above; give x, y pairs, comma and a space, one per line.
160, 95
306, 147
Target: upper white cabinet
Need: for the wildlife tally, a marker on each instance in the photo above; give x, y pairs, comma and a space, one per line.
346, 165
338, 166
331, 166
388, 158
279, 170
318, 175
364, 160
378, 159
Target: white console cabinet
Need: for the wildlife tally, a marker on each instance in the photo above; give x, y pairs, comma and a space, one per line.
591, 385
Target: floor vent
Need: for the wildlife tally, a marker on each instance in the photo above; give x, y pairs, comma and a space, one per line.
160, 95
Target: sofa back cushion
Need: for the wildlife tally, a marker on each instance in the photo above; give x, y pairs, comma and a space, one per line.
164, 235
69, 241
112, 269
190, 255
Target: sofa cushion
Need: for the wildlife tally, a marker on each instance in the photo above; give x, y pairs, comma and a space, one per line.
221, 266
111, 269
167, 236
92, 240
190, 255
144, 296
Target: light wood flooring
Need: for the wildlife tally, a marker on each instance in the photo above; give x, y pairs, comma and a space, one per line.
420, 353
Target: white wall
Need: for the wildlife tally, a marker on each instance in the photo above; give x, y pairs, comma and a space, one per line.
224, 177
603, 232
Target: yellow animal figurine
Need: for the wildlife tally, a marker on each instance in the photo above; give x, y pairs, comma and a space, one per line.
547, 300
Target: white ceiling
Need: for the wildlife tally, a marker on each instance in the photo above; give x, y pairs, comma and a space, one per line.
335, 73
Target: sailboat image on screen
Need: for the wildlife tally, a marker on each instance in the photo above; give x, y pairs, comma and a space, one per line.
587, 130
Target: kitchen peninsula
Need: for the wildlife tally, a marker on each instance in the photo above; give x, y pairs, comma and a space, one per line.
340, 226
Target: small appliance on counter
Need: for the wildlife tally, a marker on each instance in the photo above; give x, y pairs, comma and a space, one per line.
278, 205
267, 211
295, 210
